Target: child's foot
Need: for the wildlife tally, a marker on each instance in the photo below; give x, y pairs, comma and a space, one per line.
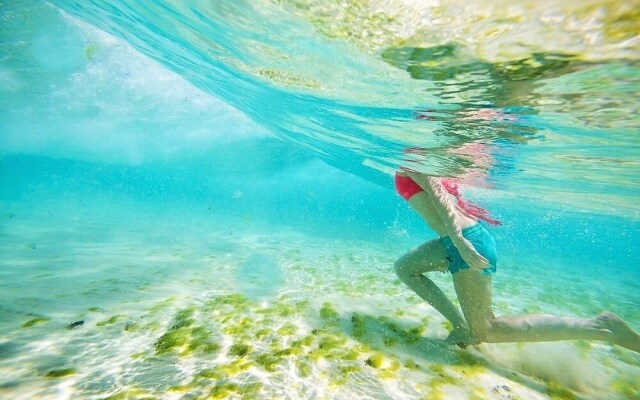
461, 337
623, 334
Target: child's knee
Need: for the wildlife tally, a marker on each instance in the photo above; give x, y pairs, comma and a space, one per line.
403, 269
400, 268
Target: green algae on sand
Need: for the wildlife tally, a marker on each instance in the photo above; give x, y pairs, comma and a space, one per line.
35, 322
328, 313
59, 373
184, 337
113, 320
559, 392
239, 350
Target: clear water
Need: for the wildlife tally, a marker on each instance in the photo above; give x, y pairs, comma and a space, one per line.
193, 177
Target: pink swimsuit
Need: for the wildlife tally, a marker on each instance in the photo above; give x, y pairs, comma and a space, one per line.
407, 187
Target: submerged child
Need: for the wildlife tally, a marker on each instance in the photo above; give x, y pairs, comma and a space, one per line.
467, 250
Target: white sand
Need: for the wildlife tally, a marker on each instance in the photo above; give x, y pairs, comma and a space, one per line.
128, 275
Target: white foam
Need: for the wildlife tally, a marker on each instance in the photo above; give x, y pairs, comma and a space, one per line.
107, 102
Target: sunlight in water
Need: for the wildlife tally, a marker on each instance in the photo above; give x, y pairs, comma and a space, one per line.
197, 198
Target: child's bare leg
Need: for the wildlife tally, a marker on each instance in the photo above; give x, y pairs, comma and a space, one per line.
474, 293
410, 268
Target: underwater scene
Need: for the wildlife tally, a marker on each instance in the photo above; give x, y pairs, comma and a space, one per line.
197, 197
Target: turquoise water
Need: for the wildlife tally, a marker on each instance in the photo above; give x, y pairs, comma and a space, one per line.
207, 187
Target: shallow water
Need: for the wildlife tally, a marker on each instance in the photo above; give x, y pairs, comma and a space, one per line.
200, 205
326, 318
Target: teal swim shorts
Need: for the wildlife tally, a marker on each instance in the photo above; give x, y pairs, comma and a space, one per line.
484, 243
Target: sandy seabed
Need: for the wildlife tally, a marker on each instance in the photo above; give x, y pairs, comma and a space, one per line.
108, 303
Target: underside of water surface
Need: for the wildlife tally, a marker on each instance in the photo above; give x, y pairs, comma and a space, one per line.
196, 197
